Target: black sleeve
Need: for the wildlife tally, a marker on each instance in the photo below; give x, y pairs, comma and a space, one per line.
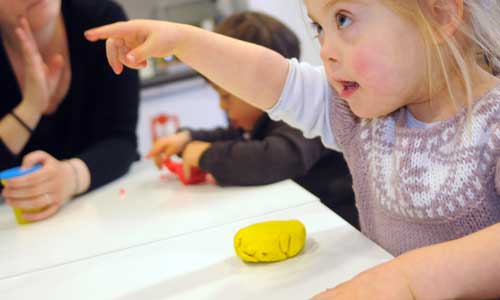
218, 134
114, 119
283, 154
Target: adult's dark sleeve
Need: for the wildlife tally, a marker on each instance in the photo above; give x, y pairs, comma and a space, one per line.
113, 128
283, 154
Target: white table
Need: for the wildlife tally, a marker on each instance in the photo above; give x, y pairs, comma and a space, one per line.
166, 241
153, 210
203, 265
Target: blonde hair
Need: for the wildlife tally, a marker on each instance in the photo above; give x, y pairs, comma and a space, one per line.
477, 31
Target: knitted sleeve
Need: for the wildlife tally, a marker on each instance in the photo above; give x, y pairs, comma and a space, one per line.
495, 142
497, 177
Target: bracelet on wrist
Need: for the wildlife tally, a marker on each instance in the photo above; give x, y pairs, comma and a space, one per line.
21, 122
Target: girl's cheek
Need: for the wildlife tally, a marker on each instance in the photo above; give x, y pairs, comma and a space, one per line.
371, 69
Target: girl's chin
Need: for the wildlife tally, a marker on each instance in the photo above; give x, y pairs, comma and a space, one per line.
362, 112
368, 114
366, 108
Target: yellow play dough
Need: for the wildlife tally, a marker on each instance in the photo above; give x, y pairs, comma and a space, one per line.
270, 241
18, 213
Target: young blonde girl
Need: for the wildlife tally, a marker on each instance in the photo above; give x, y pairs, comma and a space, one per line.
402, 96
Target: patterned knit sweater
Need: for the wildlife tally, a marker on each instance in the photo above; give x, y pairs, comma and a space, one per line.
414, 187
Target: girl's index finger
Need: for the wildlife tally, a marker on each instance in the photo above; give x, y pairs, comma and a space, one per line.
116, 30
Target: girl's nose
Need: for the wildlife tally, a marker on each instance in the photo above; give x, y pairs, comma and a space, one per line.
330, 52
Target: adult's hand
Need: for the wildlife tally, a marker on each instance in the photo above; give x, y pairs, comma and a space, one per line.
41, 78
46, 189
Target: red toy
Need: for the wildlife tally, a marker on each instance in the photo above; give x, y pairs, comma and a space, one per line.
197, 175
163, 125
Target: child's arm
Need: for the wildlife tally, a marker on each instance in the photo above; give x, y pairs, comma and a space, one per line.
248, 71
175, 144
217, 135
283, 154
467, 268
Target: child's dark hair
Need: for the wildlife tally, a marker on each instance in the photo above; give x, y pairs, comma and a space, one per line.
261, 29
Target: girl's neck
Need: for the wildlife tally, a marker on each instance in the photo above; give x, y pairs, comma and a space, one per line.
442, 108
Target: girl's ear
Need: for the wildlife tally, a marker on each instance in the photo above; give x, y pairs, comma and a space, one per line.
448, 14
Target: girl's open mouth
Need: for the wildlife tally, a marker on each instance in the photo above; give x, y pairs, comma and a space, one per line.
348, 88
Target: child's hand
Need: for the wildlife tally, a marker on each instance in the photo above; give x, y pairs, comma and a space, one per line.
383, 282
168, 146
132, 43
191, 156
211, 179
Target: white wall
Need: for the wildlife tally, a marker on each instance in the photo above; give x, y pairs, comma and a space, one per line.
138, 9
292, 13
142, 8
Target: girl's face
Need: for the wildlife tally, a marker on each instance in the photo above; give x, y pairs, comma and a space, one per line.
374, 58
39, 13
240, 114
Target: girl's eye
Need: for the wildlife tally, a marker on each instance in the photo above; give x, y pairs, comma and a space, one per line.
317, 29
343, 21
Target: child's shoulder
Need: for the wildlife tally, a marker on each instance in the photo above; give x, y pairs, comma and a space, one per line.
488, 106
492, 93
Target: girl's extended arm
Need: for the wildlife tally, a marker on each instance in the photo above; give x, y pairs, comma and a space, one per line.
251, 72
467, 268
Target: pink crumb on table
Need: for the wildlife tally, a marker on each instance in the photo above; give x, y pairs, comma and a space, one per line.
164, 177
122, 193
